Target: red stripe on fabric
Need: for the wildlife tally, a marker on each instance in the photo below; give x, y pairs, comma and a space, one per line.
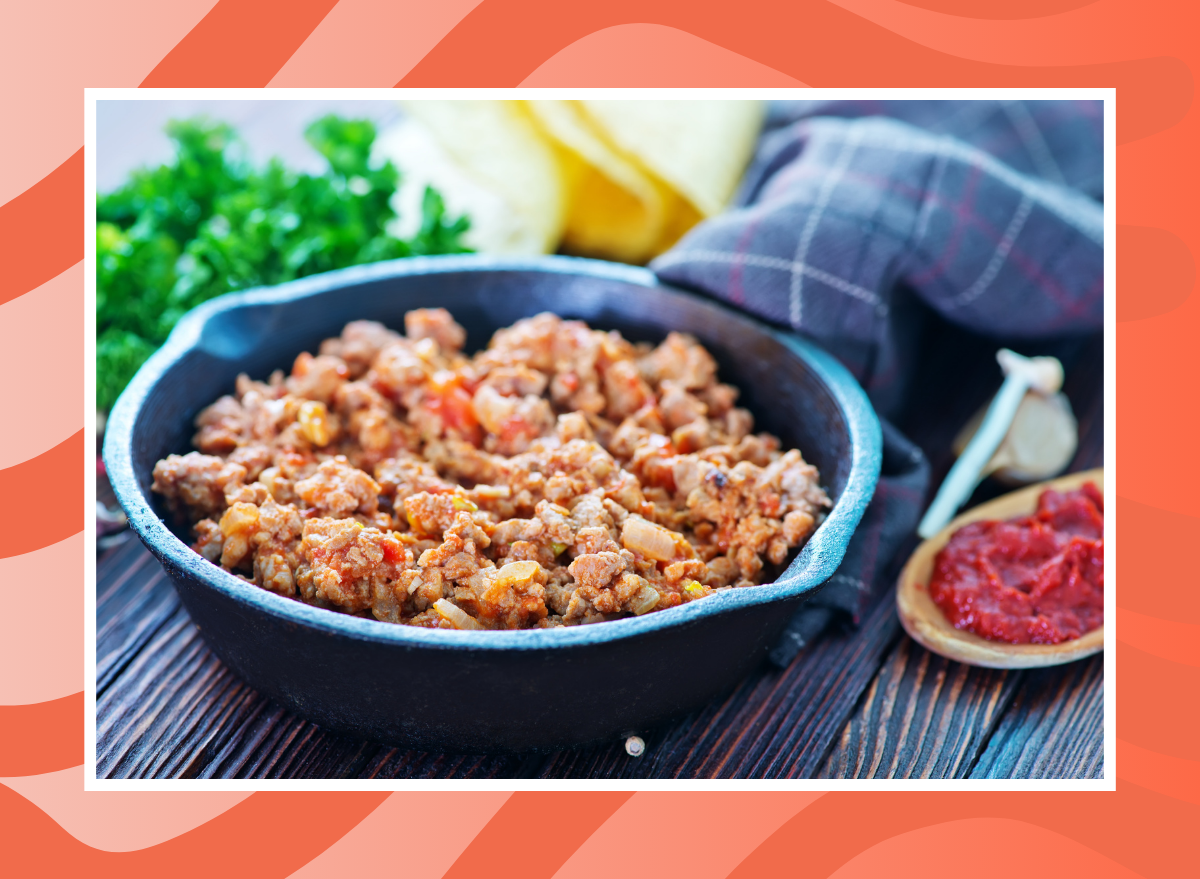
239, 44
737, 294
1072, 306
534, 834
43, 499
268, 834
40, 738
41, 230
963, 211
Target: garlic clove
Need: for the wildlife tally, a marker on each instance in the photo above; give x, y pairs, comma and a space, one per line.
1040, 443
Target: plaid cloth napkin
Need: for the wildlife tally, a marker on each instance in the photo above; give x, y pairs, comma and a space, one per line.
855, 217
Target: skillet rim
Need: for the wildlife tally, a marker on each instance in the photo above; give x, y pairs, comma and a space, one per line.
813, 565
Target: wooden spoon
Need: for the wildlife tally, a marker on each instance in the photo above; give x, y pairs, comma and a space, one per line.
924, 621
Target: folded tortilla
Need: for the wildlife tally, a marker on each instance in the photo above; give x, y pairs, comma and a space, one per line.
497, 146
620, 180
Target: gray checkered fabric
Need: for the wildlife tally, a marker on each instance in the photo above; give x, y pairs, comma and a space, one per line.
856, 218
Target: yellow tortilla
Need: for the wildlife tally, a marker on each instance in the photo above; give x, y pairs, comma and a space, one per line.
615, 179
496, 144
617, 210
698, 148
495, 226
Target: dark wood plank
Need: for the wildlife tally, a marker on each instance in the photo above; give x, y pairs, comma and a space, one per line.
118, 570
395, 763
1054, 728
295, 748
922, 717
128, 616
176, 711
165, 707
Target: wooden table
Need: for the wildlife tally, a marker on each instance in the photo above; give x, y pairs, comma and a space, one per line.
864, 702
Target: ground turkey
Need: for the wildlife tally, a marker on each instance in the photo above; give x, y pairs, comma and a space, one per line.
560, 476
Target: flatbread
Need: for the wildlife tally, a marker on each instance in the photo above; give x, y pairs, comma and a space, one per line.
620, 180
496, 144
495, 226
617, 209
698, 148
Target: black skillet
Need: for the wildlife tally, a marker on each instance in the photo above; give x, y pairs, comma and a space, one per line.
477, 692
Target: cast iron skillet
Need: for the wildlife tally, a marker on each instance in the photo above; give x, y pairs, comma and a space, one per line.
479, 692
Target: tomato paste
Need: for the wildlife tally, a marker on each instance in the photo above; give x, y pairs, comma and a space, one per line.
1033, 580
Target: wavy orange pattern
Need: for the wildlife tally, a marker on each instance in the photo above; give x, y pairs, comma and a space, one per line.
1134, 828
267, 834
53, 311
43, 737
1000, 10
49, 489
533, 834
120, 821
29, 250
239, 44
1143, 49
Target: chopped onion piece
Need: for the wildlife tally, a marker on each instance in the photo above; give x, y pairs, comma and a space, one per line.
458, 617
314, 422
649, 539
646, 600
517, 573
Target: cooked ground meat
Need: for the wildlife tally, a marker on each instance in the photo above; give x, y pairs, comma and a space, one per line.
560, 476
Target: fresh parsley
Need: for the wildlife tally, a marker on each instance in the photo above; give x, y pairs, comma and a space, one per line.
208, 223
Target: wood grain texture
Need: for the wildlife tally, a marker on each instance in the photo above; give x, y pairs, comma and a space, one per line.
924, 716
1054, 727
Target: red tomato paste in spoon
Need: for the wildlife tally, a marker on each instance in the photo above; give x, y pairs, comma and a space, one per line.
1033, 580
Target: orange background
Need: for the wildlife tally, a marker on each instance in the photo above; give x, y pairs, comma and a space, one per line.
51, 50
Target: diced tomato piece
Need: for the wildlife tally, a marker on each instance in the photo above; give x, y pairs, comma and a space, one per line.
770, 504
514, 426
449, 400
